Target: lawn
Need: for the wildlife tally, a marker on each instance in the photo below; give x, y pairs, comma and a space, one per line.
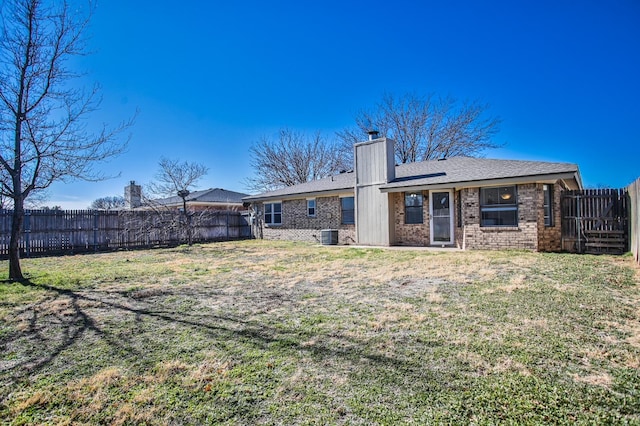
260, 332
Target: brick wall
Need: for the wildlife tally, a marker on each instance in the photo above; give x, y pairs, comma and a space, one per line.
419, 234
346, 235
550, 237
530, 234
461, 197
524, 236
298, 226
410, 234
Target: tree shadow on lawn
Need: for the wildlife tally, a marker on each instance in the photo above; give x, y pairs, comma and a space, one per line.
73, 321
416, 377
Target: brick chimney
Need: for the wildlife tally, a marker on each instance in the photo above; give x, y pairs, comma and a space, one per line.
132, 195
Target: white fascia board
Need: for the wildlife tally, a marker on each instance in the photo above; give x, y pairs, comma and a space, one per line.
304, 195
548, 178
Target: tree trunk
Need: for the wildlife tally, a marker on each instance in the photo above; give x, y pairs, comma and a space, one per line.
15, 271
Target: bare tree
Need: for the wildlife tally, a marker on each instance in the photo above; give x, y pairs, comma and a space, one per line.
43, 129
175, 178
293, 158
115, 202
425, 127
5, 202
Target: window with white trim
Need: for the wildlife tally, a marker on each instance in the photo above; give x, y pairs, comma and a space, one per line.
498, 206
311, 207
273, 213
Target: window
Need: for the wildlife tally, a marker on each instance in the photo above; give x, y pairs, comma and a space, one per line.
273, 213
311, 207
347, 210
548, 204
498, 206
412, 208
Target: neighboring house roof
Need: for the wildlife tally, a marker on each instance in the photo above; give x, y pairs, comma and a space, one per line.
451, 172
215, 196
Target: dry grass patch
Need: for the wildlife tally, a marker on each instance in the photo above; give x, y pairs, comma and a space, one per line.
597, 379
507, 365
37, 399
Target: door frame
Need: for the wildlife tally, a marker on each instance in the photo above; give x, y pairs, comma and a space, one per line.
451, 217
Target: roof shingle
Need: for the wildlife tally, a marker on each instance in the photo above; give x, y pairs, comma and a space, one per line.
455, 170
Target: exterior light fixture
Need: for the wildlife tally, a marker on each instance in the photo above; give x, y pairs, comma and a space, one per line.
506, 196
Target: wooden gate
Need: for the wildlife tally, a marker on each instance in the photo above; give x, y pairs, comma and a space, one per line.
595, 221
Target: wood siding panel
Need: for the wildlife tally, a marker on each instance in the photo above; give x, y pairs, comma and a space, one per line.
373, 217
375, 166
374, 162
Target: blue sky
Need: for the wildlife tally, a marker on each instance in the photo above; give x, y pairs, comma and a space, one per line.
210, 78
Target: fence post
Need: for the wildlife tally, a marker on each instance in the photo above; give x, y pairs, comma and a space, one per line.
95, 230
27, 232
578, 223
635, 208
634, 218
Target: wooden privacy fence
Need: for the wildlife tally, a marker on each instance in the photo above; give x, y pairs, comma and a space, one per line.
48, 232
634, 218
595, 221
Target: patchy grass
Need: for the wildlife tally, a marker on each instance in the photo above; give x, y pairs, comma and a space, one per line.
283, 333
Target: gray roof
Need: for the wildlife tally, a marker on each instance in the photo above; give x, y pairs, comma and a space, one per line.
455, 171
342, 182
211, 195
461, 170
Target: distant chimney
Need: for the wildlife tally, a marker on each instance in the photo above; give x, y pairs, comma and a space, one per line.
132, 195
373, 134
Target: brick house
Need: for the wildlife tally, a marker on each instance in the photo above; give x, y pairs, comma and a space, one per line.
470, 203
